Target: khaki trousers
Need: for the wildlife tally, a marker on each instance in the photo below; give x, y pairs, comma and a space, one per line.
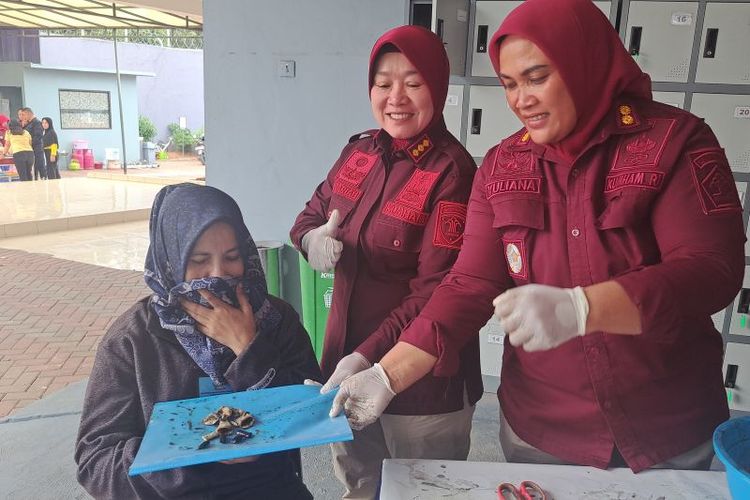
357, 464
516, 449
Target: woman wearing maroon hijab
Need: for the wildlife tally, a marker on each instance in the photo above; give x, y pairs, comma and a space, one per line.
603, 234
389, 218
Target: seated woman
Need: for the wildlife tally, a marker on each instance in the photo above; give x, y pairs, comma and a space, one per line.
200, 253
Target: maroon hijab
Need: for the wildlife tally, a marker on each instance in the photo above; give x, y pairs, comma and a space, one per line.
580, 41
425, 51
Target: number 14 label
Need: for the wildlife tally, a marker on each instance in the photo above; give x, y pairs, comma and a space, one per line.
742, 112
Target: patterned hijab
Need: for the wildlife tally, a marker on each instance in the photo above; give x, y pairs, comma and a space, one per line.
581, 42
179, 216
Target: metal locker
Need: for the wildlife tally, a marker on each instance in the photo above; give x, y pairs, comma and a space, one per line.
737, 375
739, 323
490, 119
741, 190
718, 320
676, 99
452, 110
659, 36
723, 52
491, 338
487, 18
450, 21
729, 117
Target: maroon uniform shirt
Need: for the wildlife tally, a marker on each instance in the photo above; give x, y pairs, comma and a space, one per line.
650, 203
402, 220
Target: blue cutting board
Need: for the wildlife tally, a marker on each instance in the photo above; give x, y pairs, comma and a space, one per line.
287, 417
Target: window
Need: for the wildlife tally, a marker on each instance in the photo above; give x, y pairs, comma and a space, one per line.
85, 109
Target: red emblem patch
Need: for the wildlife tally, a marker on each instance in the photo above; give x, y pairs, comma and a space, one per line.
516, 259
409, 205
450, 224
714, 182
356, 168
513, 162
645, 149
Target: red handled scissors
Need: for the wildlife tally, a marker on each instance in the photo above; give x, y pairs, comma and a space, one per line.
529, 490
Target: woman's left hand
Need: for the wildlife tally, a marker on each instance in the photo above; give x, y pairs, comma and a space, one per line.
232, 326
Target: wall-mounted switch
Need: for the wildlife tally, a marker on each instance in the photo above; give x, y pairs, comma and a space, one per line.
287, 69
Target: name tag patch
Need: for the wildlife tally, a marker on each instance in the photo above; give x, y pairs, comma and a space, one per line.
449, 225
647, 180
521, 185
714, 182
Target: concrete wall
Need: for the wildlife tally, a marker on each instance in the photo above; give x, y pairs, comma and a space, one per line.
41, 94
175, 91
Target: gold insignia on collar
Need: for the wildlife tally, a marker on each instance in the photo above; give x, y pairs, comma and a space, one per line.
418, 149
627, 119
525, 138
625, 110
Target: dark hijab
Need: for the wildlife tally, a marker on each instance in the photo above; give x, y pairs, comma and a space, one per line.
425, 51
584, 47
50, 136
179, 216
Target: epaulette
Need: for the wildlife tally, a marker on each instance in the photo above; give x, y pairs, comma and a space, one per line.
366, 133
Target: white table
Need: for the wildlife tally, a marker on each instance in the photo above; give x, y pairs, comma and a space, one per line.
435, 479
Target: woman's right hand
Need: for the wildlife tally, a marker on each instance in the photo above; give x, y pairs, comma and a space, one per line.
322, 247
348, 366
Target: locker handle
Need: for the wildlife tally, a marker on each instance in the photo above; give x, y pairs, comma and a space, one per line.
709, 50
731, 379
440, 27
635, 40
476, 121
482, 38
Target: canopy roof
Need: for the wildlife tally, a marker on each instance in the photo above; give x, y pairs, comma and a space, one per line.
64, 14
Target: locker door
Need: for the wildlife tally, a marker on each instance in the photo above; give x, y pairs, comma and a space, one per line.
729, 117
452, 110
487, 18
740, 322
738, 356
676, 99
659, 35
718, 320
490, 119
450, 20
741, 190
723, 56
605, 7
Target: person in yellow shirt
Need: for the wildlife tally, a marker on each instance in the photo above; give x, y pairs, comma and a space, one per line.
18, 141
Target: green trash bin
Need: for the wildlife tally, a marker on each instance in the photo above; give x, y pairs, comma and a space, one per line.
270, 259
317, 293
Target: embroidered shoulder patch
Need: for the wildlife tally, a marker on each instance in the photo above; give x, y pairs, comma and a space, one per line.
352, 173
515, 257
714, 182
643, 150
512, 162
449, 225
409, 204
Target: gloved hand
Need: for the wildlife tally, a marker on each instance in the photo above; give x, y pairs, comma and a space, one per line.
348, 366
322, 248
364, 397
540, 317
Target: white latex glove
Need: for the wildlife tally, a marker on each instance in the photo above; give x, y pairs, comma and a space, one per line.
540, 317
364, 397
322, 247
348, 366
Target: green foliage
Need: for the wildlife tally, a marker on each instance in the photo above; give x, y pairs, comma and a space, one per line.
181, 137
146, 128
162, 37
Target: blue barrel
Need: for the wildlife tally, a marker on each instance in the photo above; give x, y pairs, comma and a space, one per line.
732, 445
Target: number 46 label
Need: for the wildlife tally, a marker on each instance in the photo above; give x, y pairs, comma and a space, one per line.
742, 112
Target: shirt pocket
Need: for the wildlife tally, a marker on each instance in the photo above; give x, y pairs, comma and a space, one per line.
517, 222
397, 248
625, 209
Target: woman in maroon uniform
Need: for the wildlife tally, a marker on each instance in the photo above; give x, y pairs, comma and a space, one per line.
603, 235
389, 217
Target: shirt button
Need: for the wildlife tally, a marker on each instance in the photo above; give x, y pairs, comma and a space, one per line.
575, 232
574, 172
396, 243
607, 405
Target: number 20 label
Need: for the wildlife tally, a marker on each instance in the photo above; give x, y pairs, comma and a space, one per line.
742, 112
